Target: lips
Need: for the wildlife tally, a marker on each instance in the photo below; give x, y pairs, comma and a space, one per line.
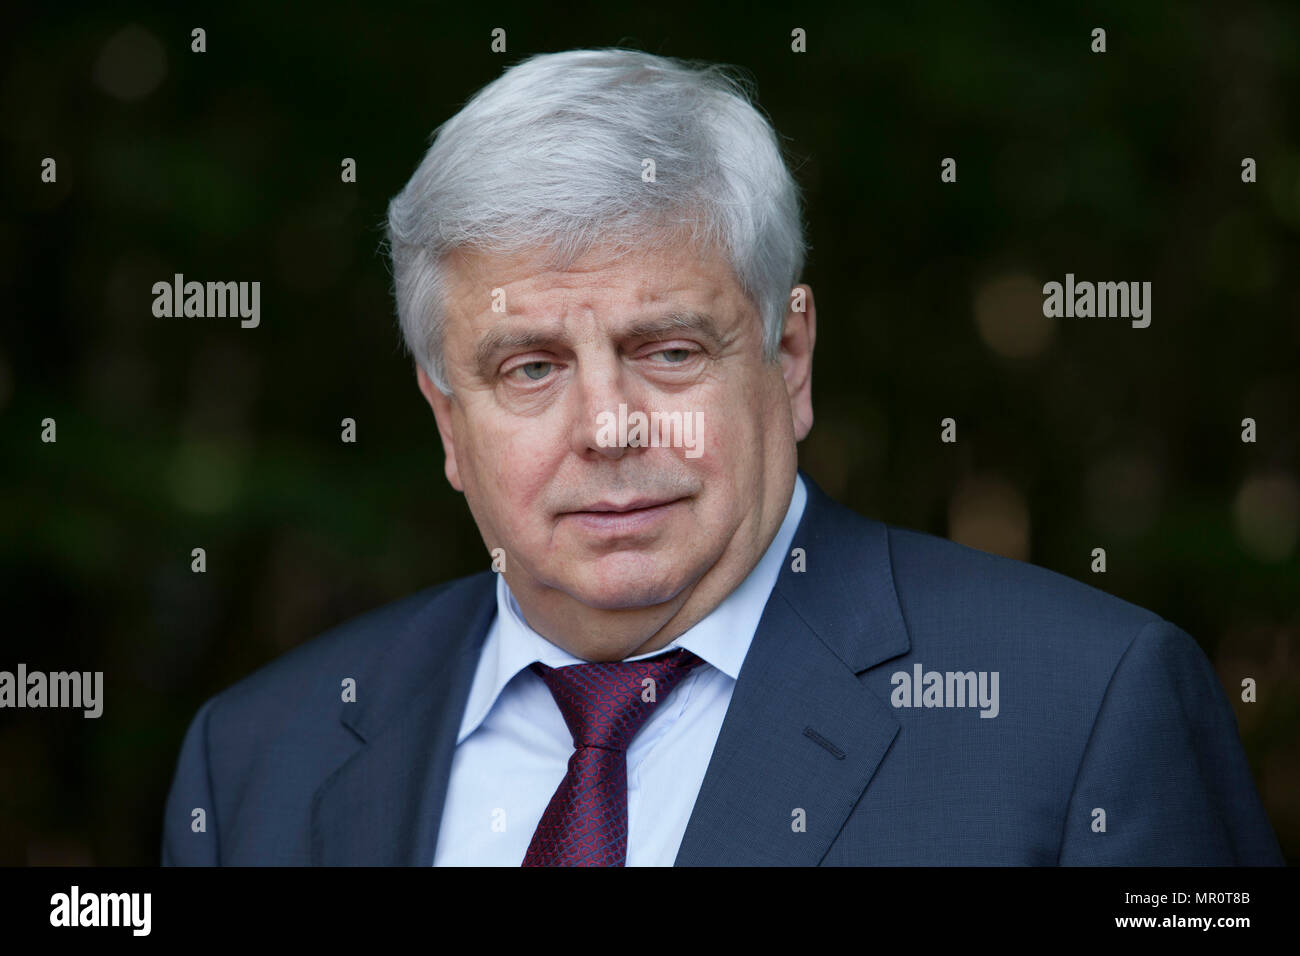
636, 504
611, 521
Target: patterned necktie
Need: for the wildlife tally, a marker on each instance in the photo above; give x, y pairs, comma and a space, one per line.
604, 704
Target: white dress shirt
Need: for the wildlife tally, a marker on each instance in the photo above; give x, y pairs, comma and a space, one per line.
513, 747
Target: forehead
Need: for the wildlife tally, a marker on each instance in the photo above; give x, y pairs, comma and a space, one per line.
601, 276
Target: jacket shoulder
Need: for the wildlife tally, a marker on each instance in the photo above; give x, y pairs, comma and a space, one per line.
937, 579
305, 681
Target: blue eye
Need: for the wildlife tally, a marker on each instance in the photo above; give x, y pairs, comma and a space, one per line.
541, 367
684, 353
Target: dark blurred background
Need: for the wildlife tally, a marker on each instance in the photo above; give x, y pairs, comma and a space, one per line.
225, 165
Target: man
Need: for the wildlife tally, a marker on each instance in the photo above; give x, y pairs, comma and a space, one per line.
685, 652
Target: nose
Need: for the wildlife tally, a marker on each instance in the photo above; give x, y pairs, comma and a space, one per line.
600, 385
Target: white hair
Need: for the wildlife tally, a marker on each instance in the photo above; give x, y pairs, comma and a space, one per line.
549, 156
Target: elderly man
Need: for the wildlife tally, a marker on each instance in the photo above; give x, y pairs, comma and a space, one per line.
684, 652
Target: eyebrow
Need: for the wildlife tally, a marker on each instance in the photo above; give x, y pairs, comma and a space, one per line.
497, 341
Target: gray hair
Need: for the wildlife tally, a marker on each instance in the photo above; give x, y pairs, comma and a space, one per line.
549, 155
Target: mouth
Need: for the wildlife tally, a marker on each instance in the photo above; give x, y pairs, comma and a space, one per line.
636, 504
623, 518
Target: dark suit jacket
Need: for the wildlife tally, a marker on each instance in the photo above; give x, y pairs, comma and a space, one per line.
1103, 707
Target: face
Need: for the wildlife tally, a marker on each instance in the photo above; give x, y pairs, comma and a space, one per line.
588, 518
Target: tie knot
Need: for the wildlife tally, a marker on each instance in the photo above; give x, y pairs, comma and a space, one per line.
606, 703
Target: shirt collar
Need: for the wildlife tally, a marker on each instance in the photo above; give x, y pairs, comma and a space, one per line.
721, 638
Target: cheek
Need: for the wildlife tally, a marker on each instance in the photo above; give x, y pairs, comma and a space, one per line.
515, 465
733, 422
738, 436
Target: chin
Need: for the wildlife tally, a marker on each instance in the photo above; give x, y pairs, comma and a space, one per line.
643, 585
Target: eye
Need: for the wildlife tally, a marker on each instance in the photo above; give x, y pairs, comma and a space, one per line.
682, 355
535, 370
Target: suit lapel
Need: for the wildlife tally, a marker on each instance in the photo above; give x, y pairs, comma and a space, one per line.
383, 806
802, 733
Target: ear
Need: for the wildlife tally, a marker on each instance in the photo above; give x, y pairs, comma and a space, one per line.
441, 405
797, 343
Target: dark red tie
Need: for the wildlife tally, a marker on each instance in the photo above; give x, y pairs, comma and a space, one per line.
604, 704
